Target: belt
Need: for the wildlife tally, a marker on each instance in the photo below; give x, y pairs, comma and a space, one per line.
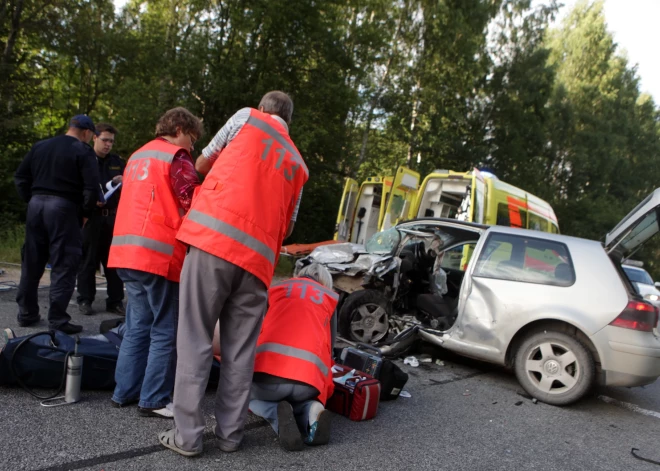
108, 212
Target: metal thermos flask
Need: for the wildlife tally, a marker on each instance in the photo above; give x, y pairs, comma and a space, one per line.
73, 378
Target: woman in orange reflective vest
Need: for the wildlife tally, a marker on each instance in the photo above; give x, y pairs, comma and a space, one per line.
293, 365
158, 185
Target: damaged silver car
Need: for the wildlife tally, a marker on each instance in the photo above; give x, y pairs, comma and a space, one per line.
559, 310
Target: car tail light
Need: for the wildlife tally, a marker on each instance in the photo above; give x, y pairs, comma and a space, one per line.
637, 316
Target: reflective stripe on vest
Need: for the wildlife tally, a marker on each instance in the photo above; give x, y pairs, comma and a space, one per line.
233, 233
152, 154
145, 242
294, 353
273, 133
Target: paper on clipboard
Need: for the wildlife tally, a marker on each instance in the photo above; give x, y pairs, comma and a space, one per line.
111, 190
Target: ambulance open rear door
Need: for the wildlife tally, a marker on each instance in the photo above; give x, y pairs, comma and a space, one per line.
346, 210
401, 198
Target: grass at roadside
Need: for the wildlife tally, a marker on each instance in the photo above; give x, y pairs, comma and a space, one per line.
11, 240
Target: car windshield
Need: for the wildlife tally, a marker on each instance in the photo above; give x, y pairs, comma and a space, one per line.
638, 275
384, 243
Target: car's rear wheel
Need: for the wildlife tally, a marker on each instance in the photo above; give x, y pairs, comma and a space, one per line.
364, 316
554, 367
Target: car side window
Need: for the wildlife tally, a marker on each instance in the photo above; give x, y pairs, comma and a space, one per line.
526, 259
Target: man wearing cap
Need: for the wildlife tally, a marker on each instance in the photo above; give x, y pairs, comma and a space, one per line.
59, 180
97, 233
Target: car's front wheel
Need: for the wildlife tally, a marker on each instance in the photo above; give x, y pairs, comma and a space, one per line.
364, 316
554, 367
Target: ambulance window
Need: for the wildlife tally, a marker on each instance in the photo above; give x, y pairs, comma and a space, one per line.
553, 228
537, 223
511, 216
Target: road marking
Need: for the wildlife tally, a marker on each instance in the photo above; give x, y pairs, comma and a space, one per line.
630, 407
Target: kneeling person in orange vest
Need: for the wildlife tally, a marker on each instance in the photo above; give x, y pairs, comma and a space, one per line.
293, 366
158, 185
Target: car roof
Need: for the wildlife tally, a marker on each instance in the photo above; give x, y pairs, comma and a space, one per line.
507, 230
472, 225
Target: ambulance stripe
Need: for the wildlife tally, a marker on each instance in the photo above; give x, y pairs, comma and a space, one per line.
145, 242
293, 352
272, 132
233, 233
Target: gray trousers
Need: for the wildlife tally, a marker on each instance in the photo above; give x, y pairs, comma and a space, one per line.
265, 397
213, 289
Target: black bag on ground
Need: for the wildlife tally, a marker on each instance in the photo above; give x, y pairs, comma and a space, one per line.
392, 378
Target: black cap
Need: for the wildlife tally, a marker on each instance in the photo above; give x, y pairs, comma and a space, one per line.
82, 121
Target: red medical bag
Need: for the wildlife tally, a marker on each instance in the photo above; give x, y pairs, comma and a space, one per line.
358, 399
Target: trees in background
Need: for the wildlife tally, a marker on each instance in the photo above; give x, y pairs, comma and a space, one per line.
376, 84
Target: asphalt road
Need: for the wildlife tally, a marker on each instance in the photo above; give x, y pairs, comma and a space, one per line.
461, 416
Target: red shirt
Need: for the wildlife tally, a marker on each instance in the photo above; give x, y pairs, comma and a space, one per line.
183, 178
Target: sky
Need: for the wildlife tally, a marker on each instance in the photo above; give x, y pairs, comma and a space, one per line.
634, 24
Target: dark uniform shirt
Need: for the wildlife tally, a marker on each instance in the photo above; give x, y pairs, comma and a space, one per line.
109, 167
60, 166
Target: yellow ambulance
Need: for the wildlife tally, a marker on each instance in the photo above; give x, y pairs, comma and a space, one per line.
382, 202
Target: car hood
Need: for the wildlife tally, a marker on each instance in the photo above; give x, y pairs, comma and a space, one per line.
348, 259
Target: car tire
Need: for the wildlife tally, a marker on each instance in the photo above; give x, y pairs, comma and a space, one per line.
364, 316
554, 367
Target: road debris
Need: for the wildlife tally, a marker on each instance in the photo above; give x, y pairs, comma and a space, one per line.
519, 403
439, 362
412, 361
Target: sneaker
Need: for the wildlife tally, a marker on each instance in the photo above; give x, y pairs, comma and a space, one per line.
118, 309
160, 412
290, 438
167, 439
29, 322
85, 309
319, 430
69, 328
5, 336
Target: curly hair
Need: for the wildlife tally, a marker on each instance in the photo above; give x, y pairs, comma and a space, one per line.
179, 118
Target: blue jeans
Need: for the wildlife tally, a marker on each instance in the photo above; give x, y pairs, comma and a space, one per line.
147, 357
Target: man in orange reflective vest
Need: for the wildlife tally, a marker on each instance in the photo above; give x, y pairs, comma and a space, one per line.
293, 366
158, 184
245, 208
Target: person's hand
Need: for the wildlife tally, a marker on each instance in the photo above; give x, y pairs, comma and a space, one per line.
117, 180
85, 221
100, 204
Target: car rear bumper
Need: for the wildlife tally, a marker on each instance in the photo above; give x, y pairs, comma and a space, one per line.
628, 357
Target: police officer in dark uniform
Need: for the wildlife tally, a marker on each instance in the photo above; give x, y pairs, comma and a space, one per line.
97, 233
59, 180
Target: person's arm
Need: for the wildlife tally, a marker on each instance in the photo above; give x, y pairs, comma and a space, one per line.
89, 169
221, 140
183, 178
23, 177
294, 216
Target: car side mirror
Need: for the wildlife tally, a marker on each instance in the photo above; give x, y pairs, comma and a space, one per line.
362, 212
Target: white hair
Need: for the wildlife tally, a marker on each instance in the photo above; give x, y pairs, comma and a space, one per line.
316, 272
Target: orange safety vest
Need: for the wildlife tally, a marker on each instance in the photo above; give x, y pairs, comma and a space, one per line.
149, 215
295, 339
244, 206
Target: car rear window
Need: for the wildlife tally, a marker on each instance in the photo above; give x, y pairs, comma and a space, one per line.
526, 259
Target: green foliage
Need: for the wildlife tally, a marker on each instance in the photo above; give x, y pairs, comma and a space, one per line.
376, 84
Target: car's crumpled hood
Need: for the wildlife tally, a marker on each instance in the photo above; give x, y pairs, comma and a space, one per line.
346, 258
